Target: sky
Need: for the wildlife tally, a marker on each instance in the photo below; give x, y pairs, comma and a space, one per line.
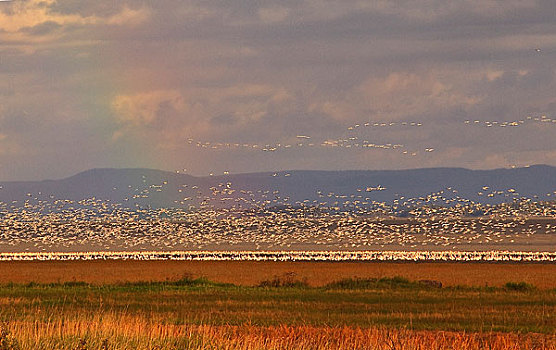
242, 86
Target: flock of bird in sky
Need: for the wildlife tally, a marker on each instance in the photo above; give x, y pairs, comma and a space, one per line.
351, 137
265, 220
227, 217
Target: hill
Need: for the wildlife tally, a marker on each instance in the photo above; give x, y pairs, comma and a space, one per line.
157, 189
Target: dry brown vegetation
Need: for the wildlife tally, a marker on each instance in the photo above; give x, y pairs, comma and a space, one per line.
270, 307
543, 276
116, 332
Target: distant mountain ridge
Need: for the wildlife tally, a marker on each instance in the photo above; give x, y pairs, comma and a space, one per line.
156, 188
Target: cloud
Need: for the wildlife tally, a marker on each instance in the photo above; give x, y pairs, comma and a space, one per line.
226, 113
144, 109
28, 14
26, 20
128, 16
273, 14
137, 78
404, 95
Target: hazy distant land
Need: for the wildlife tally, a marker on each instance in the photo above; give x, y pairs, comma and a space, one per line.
162, 189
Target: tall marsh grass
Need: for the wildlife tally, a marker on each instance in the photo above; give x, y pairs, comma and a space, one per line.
111, 331
281, 313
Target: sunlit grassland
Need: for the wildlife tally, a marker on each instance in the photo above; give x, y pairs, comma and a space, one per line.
196, 313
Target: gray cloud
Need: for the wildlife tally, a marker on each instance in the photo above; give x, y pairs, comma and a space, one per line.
129, 82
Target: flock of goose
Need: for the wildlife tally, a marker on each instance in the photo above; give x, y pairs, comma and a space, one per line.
349, 142
351, 138
225, 222
514, 123
102, 226
446, 256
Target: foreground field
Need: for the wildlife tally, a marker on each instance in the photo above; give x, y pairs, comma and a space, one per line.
280, 313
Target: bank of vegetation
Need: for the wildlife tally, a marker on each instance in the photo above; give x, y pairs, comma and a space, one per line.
282, 312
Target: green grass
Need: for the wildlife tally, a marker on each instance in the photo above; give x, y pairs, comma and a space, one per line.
391, 302
375, 283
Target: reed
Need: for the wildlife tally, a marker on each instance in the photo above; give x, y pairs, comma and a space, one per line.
281, 313
111, 331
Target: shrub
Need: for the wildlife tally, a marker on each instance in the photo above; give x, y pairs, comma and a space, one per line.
431, 283
368, 283
190, 281
75, 284
395, 281
385, 282
519, 286
286, 280
353, 283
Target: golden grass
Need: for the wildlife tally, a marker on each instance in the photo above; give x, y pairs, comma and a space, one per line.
110, 331
543, 276
87, 319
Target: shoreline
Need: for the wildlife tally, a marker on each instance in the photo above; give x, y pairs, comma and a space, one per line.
283, 255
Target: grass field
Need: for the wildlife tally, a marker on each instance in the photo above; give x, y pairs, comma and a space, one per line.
182, 311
